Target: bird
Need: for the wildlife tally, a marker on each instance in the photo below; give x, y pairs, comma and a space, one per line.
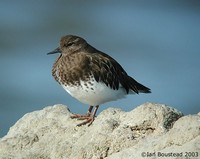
91, 76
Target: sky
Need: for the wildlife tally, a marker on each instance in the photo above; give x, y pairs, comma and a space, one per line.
156, 42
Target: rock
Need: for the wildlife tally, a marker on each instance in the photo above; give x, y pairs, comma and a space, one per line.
148, 131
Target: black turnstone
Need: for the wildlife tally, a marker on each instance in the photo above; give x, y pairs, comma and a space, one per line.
91, 76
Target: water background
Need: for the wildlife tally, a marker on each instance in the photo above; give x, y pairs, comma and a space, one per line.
157, 43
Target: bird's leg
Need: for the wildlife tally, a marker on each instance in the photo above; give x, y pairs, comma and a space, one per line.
93, 115
82, 117
89, 110
89, 117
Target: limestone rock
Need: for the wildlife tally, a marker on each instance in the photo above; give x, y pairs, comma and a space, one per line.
150, 128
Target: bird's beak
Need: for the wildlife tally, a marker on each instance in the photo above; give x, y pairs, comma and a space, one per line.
57, 50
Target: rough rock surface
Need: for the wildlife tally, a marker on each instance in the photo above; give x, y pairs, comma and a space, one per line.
149, 131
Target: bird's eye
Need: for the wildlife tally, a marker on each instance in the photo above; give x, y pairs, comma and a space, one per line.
69, 44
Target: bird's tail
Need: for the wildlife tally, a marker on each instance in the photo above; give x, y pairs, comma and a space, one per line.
137, 87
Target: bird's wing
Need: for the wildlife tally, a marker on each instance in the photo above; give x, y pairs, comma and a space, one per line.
110, 72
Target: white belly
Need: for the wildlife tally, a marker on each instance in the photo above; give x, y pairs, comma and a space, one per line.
94, 93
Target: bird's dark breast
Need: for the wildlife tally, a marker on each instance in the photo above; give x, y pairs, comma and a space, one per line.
70, 70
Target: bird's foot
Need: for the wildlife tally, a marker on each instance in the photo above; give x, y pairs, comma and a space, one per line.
88, 117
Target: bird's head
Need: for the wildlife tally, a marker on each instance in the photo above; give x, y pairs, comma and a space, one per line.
70, 44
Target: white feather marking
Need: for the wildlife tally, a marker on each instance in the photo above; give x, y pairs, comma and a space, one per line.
94, 93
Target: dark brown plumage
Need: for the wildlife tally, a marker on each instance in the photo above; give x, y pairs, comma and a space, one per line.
81, 67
